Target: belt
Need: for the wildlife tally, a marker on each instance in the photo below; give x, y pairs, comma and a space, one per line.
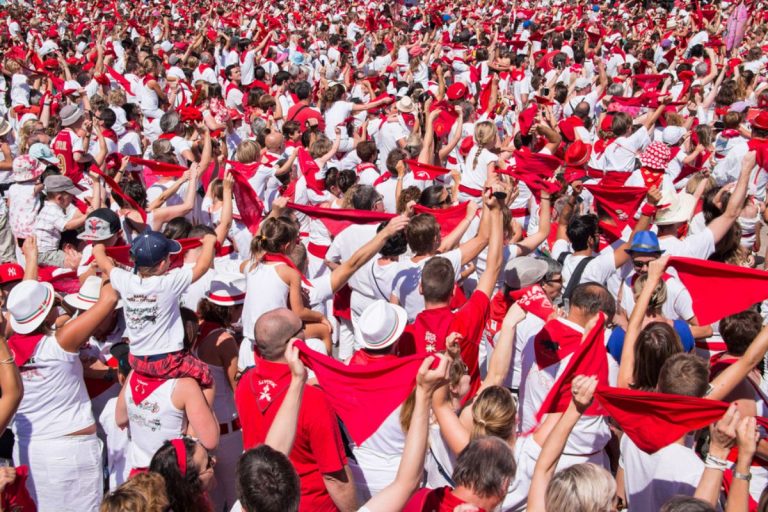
470, 191
155, 357
232, 426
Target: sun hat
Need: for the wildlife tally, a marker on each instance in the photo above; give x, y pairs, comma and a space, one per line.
70, 114
645, 242
680, 208
656, 156
5, 127
380, 325
26, 168
87, 296
405, 104
40, 151
524, 272
227, 289
58, 183
29, 304
100, 225
152, 247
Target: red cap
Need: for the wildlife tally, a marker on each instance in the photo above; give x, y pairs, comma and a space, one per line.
607, 124
52, 33
457, 91
10, 273
466, 145
761, 121
578, 154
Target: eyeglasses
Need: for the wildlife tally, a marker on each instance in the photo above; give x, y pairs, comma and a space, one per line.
554, 281
296, 334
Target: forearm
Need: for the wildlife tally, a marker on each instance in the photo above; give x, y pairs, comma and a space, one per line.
342, 490
282, 432
10, 383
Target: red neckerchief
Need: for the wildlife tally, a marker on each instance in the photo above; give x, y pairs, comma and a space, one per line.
533, 300
365, 165
272, 257
109, 133
268, 382
202, 67
23, 346
651, 177
142, 386
381, 179
167, 136
147, 78
602, 144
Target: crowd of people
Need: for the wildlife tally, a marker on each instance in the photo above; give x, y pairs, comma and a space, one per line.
373, 256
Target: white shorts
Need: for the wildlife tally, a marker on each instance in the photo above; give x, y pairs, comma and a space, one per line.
65, 474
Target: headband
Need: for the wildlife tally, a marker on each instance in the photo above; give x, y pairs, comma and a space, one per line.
181, 455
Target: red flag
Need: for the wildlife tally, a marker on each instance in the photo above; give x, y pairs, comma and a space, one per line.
363, 396
655, 420
589, 359
618, 203
534, 169
120, 79
709, 282
448, 218
309, 170
533, 300
248, 203
426, 172
160, 168
119, 191
338, 219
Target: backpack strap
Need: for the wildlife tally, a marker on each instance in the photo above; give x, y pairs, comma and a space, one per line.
576, 277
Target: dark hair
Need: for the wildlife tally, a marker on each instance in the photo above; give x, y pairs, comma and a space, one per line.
302, 90
580, 229
423, 234
656, 343
184, 492
686, 504
486, 466
395, 245
684, 374
273, 235
228, 70
108, 117
365, 197
739, 330
431, 197
393, 158
437, 280
592, 298
177, 228
267, 482
136, 191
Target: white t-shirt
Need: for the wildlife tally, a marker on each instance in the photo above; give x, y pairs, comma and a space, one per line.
405, 286
650, 480
700, 245
151, 309
475, 176
678, 306
620, 155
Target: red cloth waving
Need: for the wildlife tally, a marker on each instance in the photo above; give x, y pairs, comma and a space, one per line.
426, 172
338, 219
159, 168
590, 359
248, 203
619, 203
116, 189
122, 253
533, 300
363, 396
534, 169
710, 282
448, 218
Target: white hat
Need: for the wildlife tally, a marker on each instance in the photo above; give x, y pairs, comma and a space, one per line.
405, 104
227, 289
680, 208
672, 135
87, 296
582, 83
29, 304
47, 47
380, 325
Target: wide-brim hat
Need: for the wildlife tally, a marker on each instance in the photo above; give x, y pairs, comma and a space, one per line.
29, 304
380, 325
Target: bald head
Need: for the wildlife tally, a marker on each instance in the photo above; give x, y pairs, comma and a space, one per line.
273, 141
273, 330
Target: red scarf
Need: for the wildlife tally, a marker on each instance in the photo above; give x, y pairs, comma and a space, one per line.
159, 168
23, 346
555, 342
272, 257
338, 219
533, 300
142, 386
448, 218
248, 203
426, 172
119, 191
167, 136
652, 177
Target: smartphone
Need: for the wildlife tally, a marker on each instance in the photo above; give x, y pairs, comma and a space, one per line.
719, 126
545, 91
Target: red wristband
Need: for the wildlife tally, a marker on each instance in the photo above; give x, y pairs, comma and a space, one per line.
648, 210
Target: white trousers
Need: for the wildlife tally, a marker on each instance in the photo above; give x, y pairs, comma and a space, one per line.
65, 474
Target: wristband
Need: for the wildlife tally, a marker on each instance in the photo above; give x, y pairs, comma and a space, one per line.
742, 476
717, 463
649, 210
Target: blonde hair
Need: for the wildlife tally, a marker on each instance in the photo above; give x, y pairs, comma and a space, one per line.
581, 488
12, 66
116, 97
144, 492
248, 152
658, 297
320, 147
485, 134
25, 132
693, 183
494, 413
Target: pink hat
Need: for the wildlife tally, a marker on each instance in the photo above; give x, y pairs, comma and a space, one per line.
656, 156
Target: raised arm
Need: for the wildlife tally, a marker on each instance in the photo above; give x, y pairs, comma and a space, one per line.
72, 335
10, 384
722, 437
720, 225
282, 432
487, 281
203, 263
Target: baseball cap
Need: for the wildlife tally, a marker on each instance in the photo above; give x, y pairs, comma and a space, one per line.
524, 272
58, 183
100, 225
40, 151
672, 134
152, 247
11, 273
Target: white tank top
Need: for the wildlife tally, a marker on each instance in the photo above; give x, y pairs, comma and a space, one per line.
264, 291
152, 422
55, 401
224, 398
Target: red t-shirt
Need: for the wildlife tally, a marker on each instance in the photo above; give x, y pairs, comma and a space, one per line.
429, 329
434, 500
300, 113
318, 448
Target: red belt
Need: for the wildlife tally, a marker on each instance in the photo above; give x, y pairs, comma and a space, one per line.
318, 251
224, 428
519, 212
470, 191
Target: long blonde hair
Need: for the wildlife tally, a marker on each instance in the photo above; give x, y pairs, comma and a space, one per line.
494, 413
485, 135
581, 488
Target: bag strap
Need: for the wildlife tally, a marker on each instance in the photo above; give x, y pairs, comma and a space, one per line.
576, 277
297, 112
561, 258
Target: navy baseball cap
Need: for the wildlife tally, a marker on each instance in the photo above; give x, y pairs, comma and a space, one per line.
152, 247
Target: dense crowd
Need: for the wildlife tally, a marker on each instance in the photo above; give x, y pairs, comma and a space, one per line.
382, 256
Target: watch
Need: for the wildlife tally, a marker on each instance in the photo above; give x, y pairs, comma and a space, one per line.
742, 476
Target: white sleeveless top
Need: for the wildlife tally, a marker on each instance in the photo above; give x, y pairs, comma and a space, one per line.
264, 291
55, 401
152, 422
224, 398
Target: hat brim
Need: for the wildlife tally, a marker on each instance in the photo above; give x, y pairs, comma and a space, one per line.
402, 321
225, 303
74, 300
90, 238
72, 120
6, 130
645, 251
174, 247
35, 322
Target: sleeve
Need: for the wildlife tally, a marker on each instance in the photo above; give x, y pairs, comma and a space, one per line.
321, 289
77, 145
559, 247
639, 140
684, 304
60, 220
119, 279
454, 257
180, 279
334, 251
701, 245
324, 437
600, 268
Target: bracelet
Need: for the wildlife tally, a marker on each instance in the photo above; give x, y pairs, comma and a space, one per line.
10, 360
717, 463
649, 210
742, 476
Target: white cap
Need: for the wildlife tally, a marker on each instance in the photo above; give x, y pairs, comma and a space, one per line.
582, 83
672, 134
